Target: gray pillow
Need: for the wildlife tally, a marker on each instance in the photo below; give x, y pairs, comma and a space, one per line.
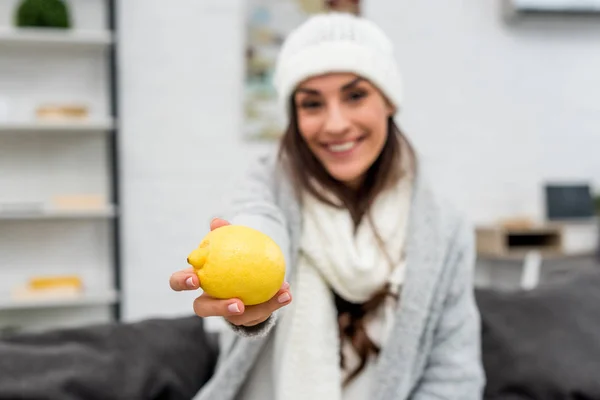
543, 344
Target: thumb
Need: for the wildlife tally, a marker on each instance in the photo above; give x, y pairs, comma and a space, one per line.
217, 223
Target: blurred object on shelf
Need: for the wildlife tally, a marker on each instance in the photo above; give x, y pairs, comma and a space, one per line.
569, 201
516, 223
43, 14
51, 287
551, 239
64, 112
79, 202
4, 109
597, 204
518, 241
57, 281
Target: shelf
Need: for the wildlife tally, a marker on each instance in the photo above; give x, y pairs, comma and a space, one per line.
44, 214
83, 127
75, 180
54, 37
109, 297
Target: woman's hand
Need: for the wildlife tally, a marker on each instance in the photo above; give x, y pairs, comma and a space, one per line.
233, 310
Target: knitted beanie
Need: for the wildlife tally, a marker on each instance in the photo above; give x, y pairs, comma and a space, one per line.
337, 42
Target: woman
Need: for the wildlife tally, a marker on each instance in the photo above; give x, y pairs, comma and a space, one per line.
380, 268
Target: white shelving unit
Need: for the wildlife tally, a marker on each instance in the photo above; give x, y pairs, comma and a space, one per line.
56, 174
75, 39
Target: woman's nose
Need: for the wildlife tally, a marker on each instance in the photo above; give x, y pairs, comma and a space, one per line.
337, 123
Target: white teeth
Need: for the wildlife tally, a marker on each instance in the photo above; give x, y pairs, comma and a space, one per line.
338, 148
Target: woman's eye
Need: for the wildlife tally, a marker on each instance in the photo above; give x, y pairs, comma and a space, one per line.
357, 95
310, 104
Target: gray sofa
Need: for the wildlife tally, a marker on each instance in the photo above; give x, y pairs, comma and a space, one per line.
160, 359
542, 344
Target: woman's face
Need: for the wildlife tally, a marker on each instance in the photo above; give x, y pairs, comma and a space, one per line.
343, 119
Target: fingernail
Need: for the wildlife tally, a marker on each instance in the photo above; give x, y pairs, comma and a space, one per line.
233, 307
285, 286
190, 282
283, 297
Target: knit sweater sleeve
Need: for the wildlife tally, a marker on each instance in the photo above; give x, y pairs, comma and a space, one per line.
254, 205
454, 369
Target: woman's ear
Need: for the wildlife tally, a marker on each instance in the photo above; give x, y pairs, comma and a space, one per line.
391, 109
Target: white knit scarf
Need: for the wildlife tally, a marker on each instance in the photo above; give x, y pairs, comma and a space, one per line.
307, 345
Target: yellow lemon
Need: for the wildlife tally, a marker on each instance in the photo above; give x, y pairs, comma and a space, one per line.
238, 261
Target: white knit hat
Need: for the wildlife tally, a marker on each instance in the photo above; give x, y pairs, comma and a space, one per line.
337, 42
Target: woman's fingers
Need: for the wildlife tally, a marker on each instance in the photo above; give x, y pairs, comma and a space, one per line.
184, 280
217, 223
254, 315
206, 306
234, 310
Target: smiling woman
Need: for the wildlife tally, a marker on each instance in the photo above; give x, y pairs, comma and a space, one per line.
380, 269
343, 148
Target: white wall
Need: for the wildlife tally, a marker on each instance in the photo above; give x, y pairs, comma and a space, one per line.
497, 107
494, 109
181, 69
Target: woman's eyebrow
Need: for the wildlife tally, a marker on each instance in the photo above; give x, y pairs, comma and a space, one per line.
352, 83
346, 86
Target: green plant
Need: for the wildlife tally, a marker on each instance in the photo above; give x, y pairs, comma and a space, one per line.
43, 14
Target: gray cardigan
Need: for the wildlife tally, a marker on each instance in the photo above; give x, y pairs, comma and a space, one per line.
433, 351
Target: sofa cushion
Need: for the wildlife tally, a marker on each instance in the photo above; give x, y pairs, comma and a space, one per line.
154, 359
543, 344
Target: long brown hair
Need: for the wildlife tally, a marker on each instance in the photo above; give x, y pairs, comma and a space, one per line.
303, 168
